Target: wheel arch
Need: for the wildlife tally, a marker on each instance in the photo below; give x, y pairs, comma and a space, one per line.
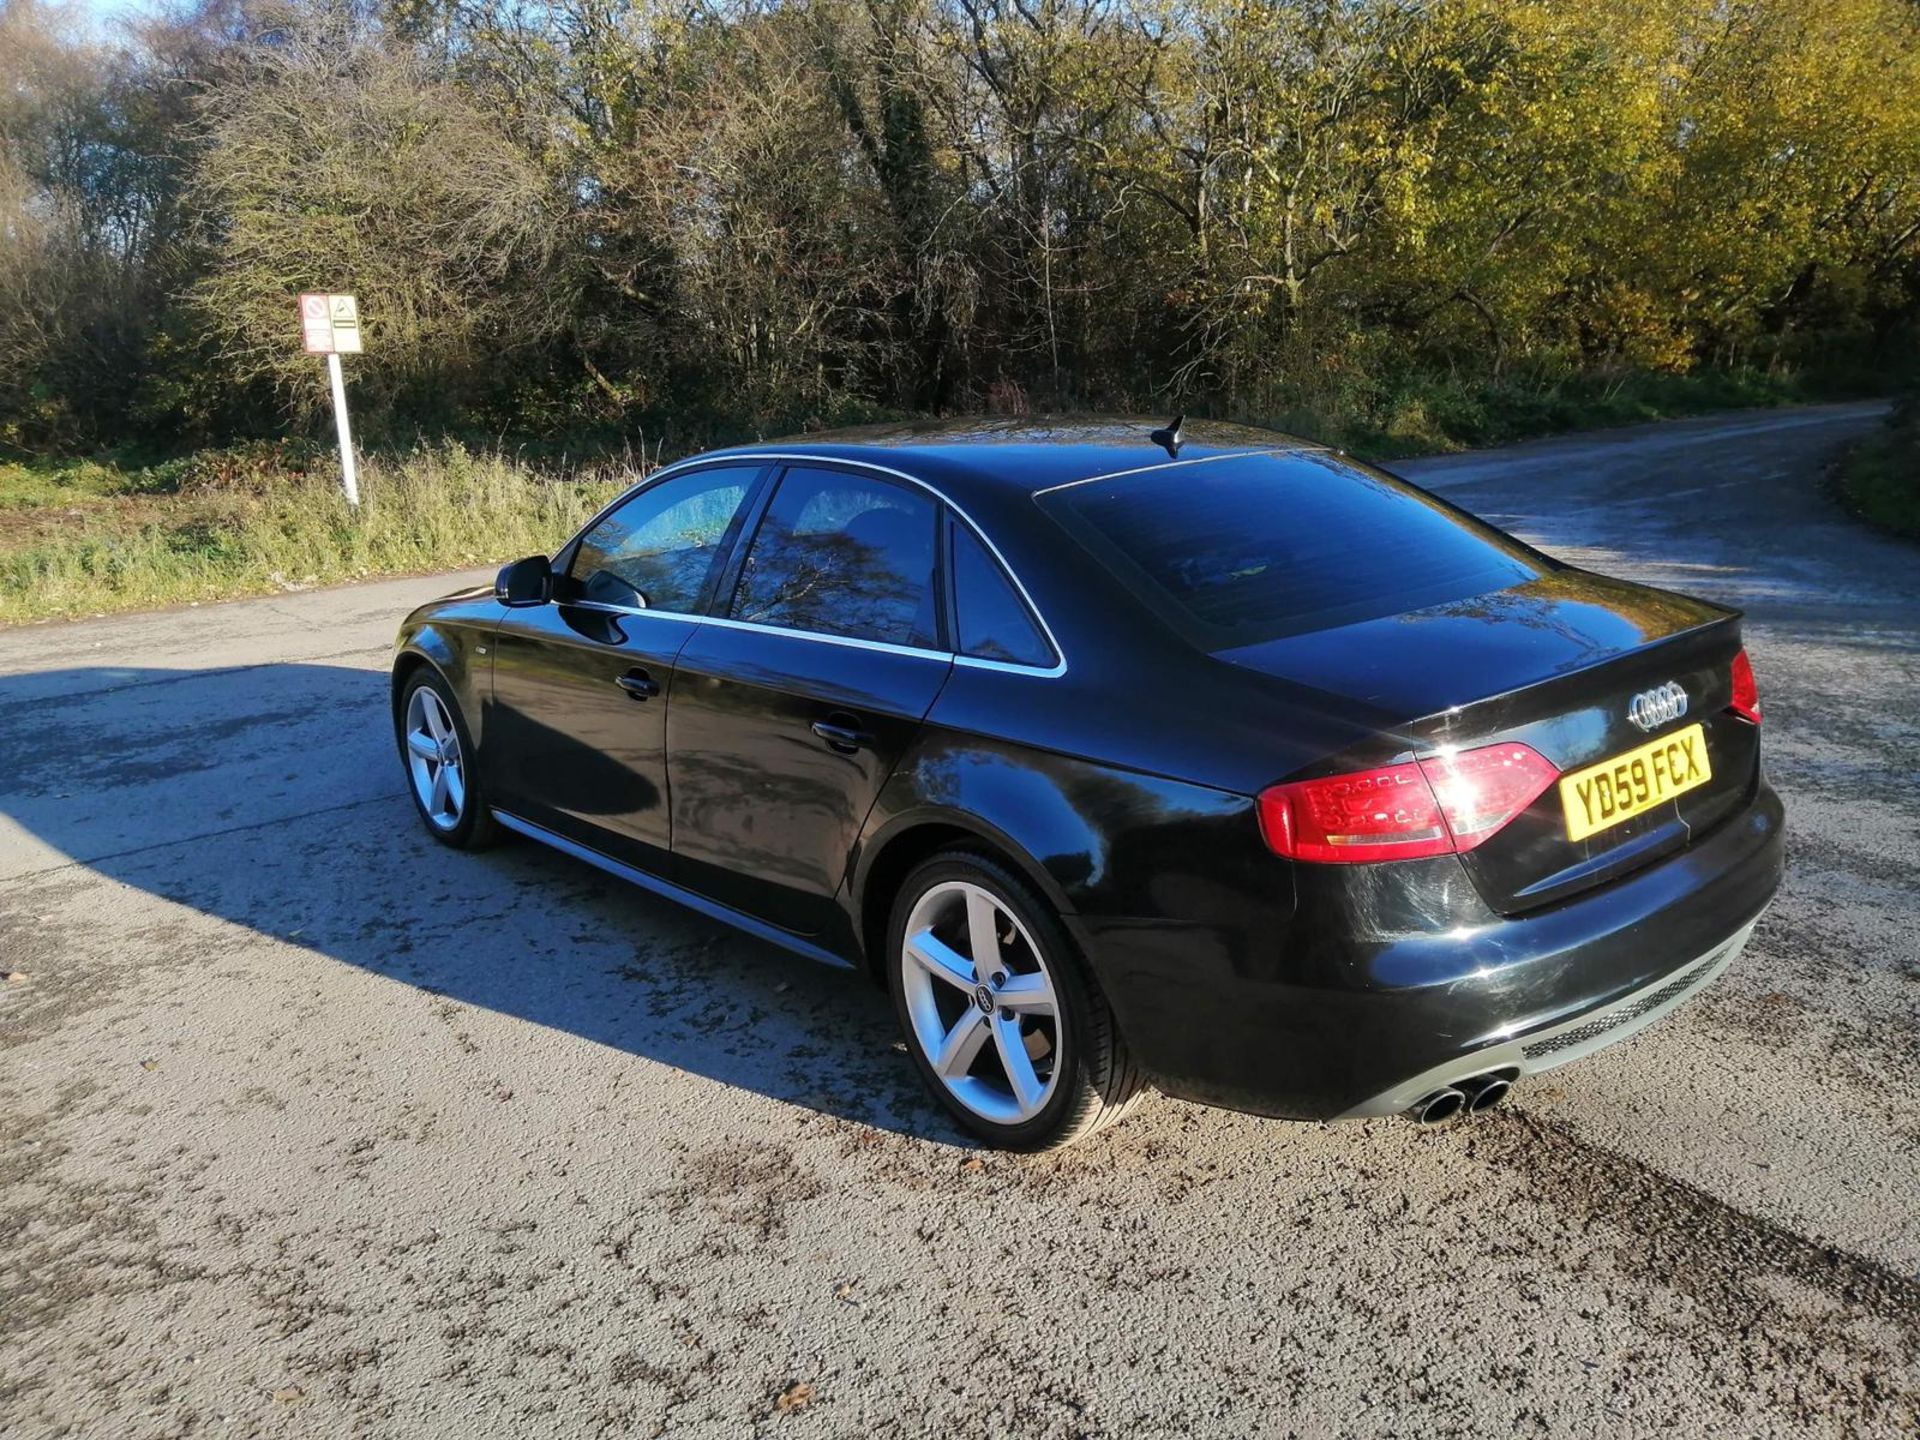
1102, 1082
892, 854
404, 666
435, 647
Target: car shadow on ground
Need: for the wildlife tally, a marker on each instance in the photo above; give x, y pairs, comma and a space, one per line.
270, 799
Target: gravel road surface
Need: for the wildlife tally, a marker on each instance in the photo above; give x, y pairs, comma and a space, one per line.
309, 1127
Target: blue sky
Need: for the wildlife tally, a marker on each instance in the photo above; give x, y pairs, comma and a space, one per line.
107, 11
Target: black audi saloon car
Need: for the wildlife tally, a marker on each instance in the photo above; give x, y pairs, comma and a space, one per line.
1207, 761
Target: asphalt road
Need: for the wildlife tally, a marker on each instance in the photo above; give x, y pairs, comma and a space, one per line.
309, 1127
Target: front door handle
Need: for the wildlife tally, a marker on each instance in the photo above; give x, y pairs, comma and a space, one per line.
638, 684
847, 739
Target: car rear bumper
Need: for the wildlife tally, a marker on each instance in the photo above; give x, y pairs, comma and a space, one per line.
1571, 1040
1291, 1023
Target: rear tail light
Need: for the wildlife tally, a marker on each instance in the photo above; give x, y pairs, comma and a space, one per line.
1443, 805
1387, 814
1746, 694
1481, 790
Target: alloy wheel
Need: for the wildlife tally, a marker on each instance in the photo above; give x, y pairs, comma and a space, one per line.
982, 1002
433, 759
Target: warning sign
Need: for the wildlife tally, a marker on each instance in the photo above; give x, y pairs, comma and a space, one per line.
330, 324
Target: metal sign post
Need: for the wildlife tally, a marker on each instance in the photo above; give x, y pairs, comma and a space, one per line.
330, 326
349, 476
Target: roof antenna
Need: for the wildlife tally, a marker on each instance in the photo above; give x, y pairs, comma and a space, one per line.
1169, 439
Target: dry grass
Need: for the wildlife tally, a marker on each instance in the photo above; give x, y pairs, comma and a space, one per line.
88, 540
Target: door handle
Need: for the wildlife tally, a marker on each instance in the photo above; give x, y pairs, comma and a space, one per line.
847, 739
638, 684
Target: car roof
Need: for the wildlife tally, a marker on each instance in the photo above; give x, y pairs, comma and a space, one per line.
1026, 454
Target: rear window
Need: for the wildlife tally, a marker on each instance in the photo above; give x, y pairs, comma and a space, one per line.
1239, 551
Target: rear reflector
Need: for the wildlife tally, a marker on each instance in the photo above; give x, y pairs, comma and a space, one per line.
1442, 805
1746, 694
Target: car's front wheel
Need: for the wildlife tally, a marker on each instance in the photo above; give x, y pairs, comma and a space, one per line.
438, 755
1000, 1018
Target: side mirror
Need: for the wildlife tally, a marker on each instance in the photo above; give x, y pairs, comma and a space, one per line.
525, 582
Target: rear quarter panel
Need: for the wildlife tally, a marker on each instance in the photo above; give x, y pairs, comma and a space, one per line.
1108, 846
1096, 839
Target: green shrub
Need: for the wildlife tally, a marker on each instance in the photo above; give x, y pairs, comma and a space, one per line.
1880, 480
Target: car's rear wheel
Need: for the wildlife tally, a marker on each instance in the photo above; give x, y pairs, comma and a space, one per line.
1000, 1018
437, 752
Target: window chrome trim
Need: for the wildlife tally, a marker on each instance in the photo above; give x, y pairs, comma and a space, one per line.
765, 457
912, 651
609, 609
1010, 667
755, 627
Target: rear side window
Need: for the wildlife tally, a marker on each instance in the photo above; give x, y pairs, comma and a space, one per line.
1238, 551
994, 623
841, 554
655, 549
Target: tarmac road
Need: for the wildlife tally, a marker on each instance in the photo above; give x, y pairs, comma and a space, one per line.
309, 1127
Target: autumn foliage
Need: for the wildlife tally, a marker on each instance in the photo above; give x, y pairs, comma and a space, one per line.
598, 215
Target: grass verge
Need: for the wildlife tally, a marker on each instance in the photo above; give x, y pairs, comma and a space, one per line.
82, 539
1880, 479
1425, 414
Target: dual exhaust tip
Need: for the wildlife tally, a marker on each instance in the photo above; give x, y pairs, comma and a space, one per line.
1472, 1095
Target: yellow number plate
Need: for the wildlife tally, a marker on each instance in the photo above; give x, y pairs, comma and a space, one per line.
1616, 790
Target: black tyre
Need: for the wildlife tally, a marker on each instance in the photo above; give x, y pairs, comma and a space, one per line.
437, 754
1000, 1015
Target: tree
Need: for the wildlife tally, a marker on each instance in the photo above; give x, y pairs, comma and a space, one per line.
330, 161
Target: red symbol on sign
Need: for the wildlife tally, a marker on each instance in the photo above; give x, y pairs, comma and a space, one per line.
315, 306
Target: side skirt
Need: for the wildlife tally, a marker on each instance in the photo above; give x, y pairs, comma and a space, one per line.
759, 929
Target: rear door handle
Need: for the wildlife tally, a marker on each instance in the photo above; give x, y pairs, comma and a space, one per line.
847, 739
638, 684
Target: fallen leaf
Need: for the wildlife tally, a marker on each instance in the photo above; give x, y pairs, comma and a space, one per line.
149, 1064
289, 1394
797, 1396
973, 1166
843, 1292
14, 977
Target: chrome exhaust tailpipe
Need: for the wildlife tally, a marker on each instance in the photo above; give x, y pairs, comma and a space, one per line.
1483, 1092
1441, 1105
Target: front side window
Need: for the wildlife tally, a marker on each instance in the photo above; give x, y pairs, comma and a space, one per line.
841, 554
657, 548
993, 622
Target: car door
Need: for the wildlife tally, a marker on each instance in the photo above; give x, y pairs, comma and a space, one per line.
792, 706
582, 685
